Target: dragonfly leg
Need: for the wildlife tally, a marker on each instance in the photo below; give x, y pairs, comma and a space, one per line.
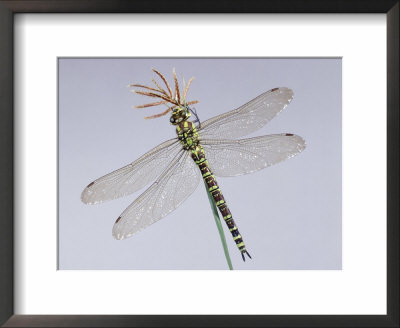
197, 120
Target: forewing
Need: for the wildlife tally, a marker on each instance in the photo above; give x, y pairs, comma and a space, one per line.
247, 118
132, 177
229, 158
172, 187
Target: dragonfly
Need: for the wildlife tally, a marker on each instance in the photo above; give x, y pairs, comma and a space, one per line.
201, 150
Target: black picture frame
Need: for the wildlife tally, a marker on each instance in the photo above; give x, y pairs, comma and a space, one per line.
11, 7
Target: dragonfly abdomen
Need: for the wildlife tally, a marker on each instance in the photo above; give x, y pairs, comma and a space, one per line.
199, 157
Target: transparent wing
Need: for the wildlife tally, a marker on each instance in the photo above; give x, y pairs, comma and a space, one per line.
132, 177
229, 158
247, 118
173, 186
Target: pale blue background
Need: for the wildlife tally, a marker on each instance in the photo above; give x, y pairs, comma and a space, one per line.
288, 214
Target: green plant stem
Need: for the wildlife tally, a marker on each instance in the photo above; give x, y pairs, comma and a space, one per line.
219, 226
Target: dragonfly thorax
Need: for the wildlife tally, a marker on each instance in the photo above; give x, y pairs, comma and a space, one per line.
180, 114
187, 135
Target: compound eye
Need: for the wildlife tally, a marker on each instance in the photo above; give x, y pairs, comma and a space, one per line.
172, 120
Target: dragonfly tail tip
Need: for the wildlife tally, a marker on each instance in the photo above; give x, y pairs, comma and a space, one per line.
245, 252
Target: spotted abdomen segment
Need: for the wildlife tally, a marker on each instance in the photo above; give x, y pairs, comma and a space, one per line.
199, 157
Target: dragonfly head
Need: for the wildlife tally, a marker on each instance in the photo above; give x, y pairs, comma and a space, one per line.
180, 114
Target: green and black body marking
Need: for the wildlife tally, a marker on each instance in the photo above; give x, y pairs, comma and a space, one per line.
189, 138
